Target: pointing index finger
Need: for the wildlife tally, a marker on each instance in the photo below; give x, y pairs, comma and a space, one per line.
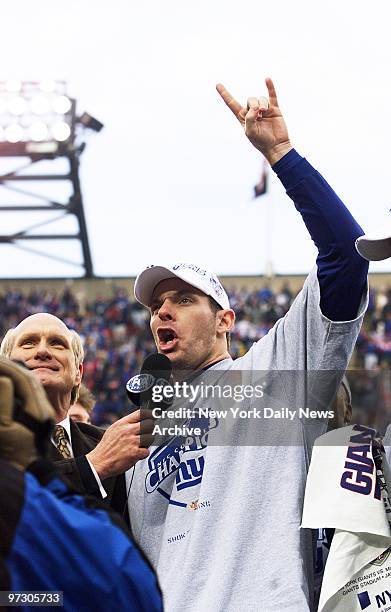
229, 100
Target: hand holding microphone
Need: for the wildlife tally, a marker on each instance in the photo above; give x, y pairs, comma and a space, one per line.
127, 440
123, 444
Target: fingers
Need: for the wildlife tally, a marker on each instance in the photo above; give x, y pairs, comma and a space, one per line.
252, 115
143, 453
123, 431
252, 104
256, 107
272, 92
139, 434
261, 104
134, 417
142, 433
230, 101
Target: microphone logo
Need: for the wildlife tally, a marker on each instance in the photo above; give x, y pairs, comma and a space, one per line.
156, 367
140, 383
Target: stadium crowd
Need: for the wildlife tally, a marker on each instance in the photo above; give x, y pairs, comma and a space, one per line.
116, 337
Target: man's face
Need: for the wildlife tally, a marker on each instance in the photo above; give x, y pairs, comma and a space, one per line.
183, 324
43, 343
77, 412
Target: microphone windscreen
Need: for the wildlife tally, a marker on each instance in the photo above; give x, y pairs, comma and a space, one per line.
158, 365
156, 368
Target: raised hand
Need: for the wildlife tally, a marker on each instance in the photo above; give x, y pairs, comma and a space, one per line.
262, 121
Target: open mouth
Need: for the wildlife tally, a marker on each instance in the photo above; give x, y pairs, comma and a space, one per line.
167, 338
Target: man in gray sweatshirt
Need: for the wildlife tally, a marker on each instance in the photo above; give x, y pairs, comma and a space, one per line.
218, 514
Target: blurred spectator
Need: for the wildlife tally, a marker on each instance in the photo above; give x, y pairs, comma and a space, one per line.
81, 410
341, 406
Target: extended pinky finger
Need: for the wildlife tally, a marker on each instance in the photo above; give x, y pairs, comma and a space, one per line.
272, 91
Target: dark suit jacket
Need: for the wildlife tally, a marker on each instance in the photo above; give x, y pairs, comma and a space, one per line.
78, 474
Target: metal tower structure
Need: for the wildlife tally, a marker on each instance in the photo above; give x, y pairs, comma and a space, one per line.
39, 122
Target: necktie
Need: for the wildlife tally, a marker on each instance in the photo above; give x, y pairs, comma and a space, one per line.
60, 438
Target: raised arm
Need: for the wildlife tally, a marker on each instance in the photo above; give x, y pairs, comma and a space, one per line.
341, 271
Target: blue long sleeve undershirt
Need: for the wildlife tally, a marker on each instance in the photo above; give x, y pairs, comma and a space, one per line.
342, 272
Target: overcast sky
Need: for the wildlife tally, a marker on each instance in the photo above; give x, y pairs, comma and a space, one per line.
170, 177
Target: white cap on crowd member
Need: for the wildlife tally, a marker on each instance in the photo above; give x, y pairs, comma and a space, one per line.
205, 281
374, 248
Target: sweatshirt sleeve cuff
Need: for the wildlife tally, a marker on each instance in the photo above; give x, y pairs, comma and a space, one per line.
292, 168
98, 480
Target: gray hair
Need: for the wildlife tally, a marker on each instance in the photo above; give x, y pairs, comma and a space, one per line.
76, 345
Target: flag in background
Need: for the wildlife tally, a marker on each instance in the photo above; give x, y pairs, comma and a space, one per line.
261, 187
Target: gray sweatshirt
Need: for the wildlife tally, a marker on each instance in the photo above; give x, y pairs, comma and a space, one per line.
219, 517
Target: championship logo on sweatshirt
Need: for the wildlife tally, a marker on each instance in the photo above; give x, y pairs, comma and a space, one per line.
179, 464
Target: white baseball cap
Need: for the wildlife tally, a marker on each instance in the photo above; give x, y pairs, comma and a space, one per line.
374, 248
205, 281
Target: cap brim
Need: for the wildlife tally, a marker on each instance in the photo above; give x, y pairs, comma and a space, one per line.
147, 280
374, 249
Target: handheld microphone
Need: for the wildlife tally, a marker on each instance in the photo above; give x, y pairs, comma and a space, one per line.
156, 370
